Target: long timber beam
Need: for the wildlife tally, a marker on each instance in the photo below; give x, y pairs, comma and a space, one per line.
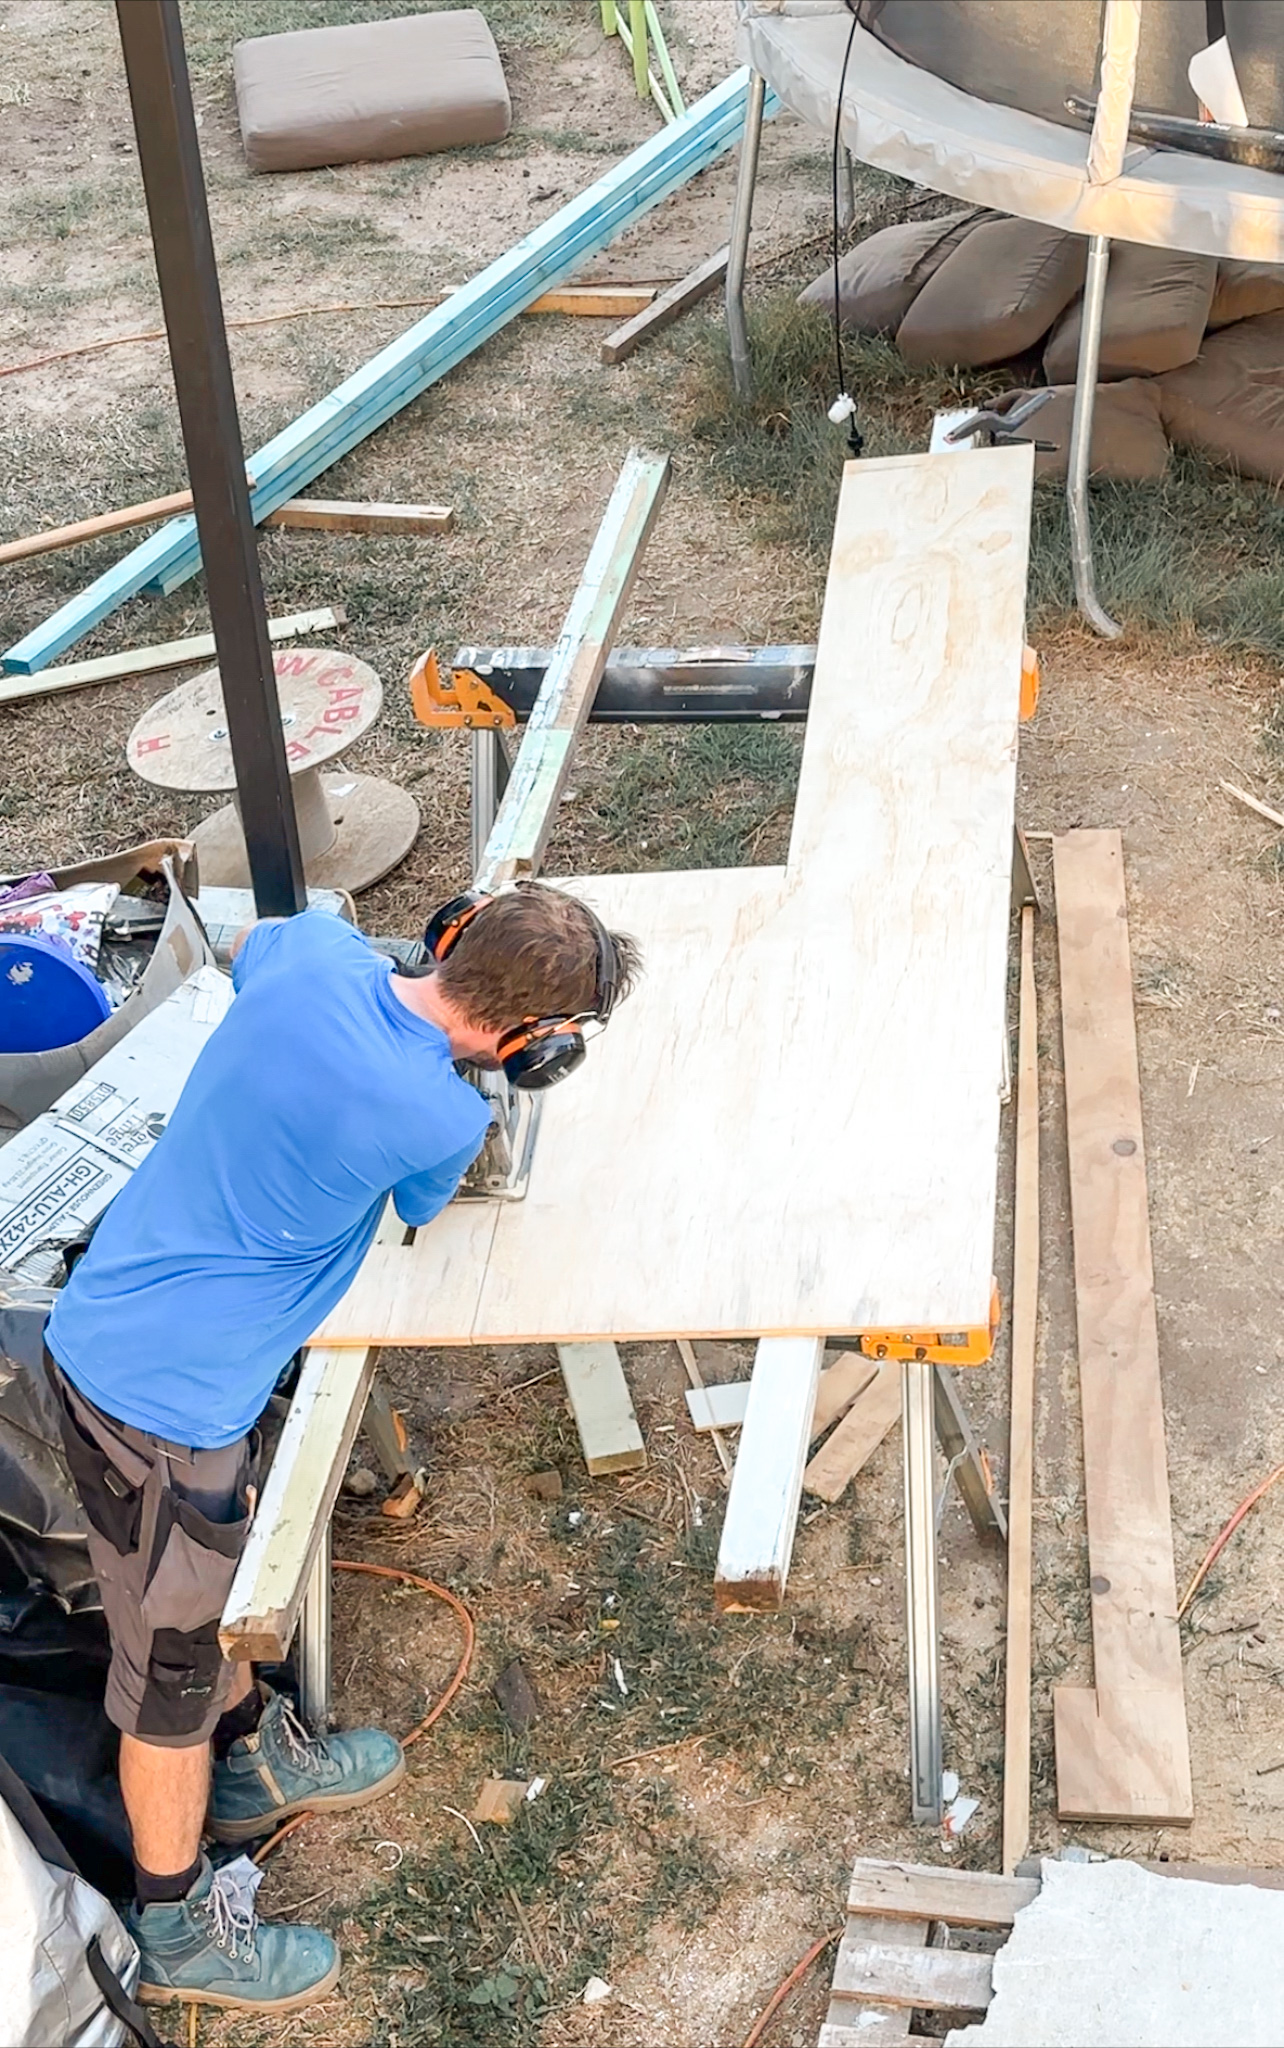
417, 359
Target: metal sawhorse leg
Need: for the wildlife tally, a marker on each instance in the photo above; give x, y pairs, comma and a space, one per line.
933, 1412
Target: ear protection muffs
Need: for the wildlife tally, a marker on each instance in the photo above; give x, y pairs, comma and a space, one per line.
540, 1050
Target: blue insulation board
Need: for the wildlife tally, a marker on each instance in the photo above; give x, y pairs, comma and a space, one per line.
425, 352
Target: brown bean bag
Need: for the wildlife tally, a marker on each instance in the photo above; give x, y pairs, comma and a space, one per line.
369, 90
1229, 403
878, 279
1156, 310
1244, 290
994, 296
1128, 440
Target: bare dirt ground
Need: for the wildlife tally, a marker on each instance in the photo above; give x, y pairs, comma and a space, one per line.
695, 1877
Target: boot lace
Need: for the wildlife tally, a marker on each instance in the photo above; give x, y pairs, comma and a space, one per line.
304, 1752
229, 1908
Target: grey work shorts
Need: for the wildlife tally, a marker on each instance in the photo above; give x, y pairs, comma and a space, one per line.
167, 1525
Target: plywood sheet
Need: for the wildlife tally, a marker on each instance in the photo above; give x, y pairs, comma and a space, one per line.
791, 1129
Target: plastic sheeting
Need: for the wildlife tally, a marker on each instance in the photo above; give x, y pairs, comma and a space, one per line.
49, 1917
900, 117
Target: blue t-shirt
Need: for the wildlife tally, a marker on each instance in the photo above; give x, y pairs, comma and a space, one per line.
318, 1095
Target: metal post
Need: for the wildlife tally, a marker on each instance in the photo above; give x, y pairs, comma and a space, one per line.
160, 93
846, 191
741, 218
920, 1592
968, 1469
313, 1643
489, 781
1085, 398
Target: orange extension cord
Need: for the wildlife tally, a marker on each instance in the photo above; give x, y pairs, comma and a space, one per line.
1215, 1549
782, 1991
387, 1571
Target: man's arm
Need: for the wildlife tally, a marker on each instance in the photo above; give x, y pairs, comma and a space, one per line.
421, 1196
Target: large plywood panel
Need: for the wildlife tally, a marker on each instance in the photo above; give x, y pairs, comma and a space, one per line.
791, 1129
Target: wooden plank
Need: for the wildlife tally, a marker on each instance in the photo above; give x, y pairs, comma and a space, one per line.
546, 257
596, 301
1122, 1750
762, 1506
301, 1488
664, 310
941, 1978
686, 1352
842, 1381
962, 1898
850, 2019
1025, 1316
899, 887
262, 1607
80, 530
338, 515
869, 2028
140, 661
1122, 1754
603, 1407
718, 1407
872, 1415
722, 1406
527, 814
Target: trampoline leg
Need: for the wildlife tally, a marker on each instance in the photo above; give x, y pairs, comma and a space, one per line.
1085, 396
741, 216
846, 192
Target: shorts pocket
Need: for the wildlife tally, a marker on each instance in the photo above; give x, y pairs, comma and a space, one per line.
112, 1506
183, 1671
195, 1563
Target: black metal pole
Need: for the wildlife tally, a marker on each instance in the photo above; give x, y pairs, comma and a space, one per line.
160, 92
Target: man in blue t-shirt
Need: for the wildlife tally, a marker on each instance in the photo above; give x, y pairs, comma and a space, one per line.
330, 1085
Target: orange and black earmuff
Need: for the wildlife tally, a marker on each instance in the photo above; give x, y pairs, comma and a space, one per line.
540, 1051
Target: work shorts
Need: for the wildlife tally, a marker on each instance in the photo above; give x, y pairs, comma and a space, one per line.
167, 1525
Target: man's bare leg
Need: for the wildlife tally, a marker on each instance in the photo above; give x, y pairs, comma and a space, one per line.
166, 1792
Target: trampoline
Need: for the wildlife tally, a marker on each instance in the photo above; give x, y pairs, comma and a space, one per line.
913, 104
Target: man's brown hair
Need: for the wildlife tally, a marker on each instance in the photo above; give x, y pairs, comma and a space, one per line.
532, 952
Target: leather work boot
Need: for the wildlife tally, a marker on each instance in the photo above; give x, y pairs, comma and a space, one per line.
281, 1769
212, 1949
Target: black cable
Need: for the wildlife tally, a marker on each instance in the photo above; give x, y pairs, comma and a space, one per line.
855, 440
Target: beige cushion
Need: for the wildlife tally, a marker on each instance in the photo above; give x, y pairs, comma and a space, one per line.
995, 296
368, 91
878, 279
1244, 290
1156, 310
1230, 402
1128, 439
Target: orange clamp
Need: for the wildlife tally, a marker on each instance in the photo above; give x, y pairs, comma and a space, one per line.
463, 701
937, 1347
1029, 683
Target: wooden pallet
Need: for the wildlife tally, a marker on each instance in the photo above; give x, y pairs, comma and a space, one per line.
899, 1954
896, 1957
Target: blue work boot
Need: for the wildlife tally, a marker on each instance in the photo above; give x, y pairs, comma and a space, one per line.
212, 1949
281, 1769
